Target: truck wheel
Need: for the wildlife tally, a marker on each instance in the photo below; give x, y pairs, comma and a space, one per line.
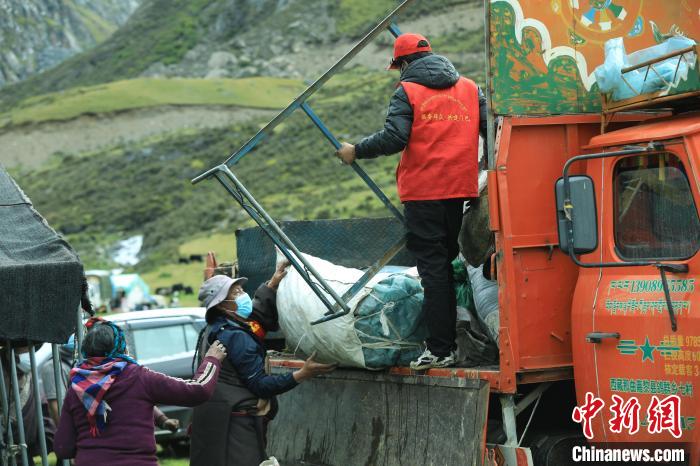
554, 449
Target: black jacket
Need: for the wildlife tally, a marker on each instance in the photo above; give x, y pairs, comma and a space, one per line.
433, 71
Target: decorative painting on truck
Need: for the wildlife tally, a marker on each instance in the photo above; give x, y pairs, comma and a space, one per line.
543, 52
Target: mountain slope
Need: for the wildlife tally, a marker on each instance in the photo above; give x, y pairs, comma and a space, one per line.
143, 187
198, 38
38, 34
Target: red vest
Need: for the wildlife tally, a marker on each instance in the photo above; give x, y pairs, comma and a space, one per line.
440, 159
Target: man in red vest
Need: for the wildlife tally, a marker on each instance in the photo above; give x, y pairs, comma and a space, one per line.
435, 117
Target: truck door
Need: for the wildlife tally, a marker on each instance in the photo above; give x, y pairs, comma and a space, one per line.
649, 212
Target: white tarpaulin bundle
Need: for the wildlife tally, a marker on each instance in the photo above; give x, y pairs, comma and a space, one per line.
384, 328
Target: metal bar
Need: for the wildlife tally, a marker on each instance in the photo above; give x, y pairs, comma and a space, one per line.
368, 275
60, 381
678, 65
531, 397
658, 59
79, 333
621, 106
658, 75
3, 446
569, 207
636, 92
14, 381
276, 241
58, 376
394, 30
490, 123
37, 404
235, 157
320, 125
509, 426
5, 403
244, 192
527, 426
361, 173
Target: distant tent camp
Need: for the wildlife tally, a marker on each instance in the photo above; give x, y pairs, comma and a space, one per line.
135, 290
41, 276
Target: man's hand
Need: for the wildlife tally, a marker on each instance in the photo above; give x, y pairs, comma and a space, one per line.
312, 368
346, 153
171, 424
280, 273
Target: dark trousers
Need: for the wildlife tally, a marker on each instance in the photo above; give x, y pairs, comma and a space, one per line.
433, 230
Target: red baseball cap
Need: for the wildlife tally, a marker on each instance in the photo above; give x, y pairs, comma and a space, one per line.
407, 44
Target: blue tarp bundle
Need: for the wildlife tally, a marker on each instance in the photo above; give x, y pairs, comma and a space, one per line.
611, 80
390, 323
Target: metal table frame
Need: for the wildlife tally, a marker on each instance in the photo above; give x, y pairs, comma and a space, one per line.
337, 305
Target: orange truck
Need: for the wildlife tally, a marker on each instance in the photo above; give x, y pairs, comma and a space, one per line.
594, 209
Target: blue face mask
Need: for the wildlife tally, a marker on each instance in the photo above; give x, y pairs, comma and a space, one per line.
244, 306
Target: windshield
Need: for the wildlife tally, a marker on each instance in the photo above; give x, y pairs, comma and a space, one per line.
655, 214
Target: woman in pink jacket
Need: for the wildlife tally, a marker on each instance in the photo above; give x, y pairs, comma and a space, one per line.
107, 415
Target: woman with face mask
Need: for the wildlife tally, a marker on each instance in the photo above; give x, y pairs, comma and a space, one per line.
230, 429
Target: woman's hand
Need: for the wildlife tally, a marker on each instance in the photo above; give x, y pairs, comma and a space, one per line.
171, 424
210, 265
312, 368
217, 350
279, 274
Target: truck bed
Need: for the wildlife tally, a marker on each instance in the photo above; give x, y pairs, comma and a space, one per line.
281, 363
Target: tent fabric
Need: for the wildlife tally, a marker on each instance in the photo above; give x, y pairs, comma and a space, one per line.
40, 274
129, 282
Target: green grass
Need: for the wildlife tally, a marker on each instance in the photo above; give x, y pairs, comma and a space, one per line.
99, 28
358, 16
224, 245
262, 92
174, 462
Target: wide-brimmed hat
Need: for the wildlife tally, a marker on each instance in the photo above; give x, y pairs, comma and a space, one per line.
215, 290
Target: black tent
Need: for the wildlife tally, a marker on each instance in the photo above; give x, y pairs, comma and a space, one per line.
41, 276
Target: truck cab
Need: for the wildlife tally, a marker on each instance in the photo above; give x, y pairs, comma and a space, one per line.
625, 339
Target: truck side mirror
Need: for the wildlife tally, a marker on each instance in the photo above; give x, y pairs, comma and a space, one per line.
582, 209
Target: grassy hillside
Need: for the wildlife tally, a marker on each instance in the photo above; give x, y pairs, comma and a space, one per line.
97, 199
100, 198
133, 94
143, 188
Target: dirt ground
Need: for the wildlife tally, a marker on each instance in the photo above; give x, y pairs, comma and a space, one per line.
33, 145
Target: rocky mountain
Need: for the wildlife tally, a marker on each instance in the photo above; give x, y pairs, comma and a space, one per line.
36, 35
298, 38
235, 38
